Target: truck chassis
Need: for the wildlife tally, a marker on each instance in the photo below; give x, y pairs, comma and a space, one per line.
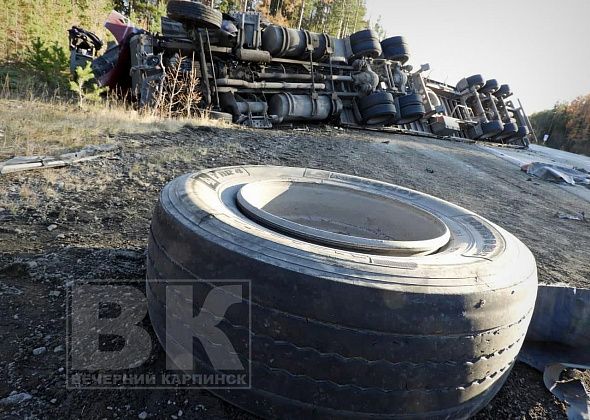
263, 75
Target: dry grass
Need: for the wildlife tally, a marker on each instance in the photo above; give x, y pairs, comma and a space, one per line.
34, 127
178, 154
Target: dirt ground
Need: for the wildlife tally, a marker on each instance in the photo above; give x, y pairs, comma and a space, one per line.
91, 221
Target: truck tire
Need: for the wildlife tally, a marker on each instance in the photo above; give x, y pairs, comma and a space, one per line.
491, 86
377, 109
379, 115
396, 49
491, 128
345, 328
503, 92
375, 98
365, 44
194, 13
522, 132
411, 108
510, 129
475, 80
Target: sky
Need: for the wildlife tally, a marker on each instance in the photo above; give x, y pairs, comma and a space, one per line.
541, 48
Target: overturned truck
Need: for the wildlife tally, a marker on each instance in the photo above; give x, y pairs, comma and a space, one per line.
262, 75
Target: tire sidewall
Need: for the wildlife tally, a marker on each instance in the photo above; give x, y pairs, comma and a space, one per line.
479, 251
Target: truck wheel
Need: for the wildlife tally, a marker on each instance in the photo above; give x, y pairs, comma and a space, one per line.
475, 80
396, 49
491, 86
193, 13
503, 92
510, 129
379, 115
491, 128
411, 109
365, 44
367, 299
523, 131
377, 108
375, 98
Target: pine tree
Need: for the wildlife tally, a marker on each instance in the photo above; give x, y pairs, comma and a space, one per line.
335, 17
23, 21
229, 6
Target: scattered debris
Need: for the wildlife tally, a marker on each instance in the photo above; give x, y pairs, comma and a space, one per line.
559, 339
26, 163
10, 290
555, 173
577, 216
39, 351
16, 398
572, 391
143, 415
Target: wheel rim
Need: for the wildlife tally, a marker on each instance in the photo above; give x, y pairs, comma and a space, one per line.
343, 217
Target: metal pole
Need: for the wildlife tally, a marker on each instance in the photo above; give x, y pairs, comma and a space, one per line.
212, 68
204, 71
528, 122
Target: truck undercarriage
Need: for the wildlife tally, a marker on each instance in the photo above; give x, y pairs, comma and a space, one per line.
263, 75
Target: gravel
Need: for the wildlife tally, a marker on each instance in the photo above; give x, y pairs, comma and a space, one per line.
103, 208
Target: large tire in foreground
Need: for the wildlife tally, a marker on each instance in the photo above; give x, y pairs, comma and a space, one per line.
194, 13
368, 300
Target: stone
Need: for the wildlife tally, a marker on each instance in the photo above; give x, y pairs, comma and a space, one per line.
39, 351
14, 399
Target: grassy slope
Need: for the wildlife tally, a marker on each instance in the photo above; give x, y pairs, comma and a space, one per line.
30, 127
